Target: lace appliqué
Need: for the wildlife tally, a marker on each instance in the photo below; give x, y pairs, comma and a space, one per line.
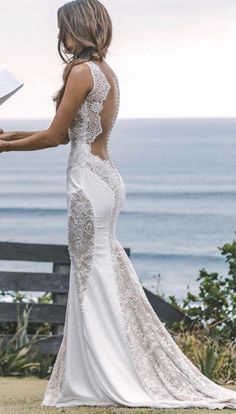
80, 239
162, 367
107, 173
86, 125
57, 378
95, 100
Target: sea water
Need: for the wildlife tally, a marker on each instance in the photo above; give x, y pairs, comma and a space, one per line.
180, 177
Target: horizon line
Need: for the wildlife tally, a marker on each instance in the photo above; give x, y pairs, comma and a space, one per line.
132, 118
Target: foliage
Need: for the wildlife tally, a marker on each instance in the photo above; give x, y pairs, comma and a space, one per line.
22, 297
210, 342
214, 308
19, 356
215, 359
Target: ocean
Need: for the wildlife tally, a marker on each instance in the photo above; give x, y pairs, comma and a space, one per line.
180, 178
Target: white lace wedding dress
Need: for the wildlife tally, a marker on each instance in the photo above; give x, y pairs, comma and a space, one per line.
115, 350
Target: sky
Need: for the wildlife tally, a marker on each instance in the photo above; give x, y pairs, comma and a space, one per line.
173, 58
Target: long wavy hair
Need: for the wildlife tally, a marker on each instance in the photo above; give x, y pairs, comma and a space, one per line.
90, 26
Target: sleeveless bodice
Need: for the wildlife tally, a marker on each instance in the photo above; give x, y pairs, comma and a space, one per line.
85, 128
86, 125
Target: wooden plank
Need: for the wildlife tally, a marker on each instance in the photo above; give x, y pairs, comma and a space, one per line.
49, 345
55, 313
34, 282
39, 312
165, 311
127, 251
59, 298
36, 252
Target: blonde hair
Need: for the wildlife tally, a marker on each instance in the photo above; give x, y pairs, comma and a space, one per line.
90, 26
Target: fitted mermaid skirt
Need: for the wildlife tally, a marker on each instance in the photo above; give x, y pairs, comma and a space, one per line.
115, 350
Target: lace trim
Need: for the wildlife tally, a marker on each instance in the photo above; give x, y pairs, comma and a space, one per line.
95, 100
56, 380
117, 98
109, 174
162, 367
86, 126
80, 240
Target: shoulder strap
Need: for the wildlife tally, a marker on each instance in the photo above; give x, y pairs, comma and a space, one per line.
101, 85
95, 100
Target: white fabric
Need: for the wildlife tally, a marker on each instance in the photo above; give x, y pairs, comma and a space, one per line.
115, 350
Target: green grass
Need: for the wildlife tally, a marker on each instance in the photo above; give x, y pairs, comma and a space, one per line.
24, 396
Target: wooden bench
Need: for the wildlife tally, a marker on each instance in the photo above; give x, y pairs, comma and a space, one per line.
57, 283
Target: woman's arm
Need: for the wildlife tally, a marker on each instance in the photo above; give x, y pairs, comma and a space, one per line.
14, 135
39, 140
78, 85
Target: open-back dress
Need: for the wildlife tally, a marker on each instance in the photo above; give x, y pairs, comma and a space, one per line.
115, 350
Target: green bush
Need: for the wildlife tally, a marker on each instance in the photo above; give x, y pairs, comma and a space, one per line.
19, 356
214, 358
21, 297
214, 308
211, 342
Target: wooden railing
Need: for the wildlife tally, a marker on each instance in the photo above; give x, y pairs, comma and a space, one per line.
57, 283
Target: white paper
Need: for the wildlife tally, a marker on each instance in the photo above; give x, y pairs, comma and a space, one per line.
8, 85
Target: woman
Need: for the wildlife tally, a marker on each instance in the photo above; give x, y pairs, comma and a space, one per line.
115, 350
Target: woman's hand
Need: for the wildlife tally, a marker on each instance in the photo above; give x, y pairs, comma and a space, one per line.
6, 135
3, 146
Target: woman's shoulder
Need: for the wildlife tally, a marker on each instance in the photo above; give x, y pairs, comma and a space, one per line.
81, 73
80, 68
